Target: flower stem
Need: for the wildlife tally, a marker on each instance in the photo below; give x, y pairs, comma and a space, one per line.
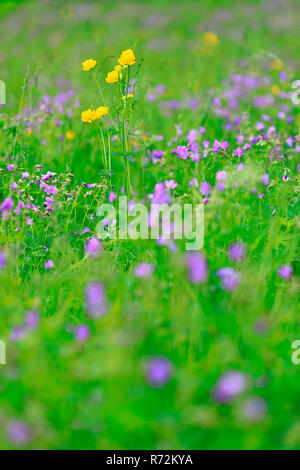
102, 97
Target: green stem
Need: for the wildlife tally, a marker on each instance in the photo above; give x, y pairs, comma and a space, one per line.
124, 136
109, 152
102, 97
103, 144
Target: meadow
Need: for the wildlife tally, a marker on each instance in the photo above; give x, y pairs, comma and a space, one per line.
142, 344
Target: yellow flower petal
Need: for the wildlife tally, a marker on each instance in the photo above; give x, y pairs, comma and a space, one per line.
101, 111
70, 135
113, 77
88, 115
210, 39
127, 58
88, 64
275, 90
130, 95
277, 65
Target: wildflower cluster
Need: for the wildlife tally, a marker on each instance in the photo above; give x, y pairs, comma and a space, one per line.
133, 325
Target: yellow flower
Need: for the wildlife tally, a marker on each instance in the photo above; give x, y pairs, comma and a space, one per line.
127, 57
277, 65
29, 131
130, 95
101, 111
70, 135
210, 39
88, 64
113, 77
118, 68
91, 115
88, 116
275, 90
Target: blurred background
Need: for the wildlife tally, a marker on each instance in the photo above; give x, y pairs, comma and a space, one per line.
55, 392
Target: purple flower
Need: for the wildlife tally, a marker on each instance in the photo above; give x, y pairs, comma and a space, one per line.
18, 209
216, 146
156, 155
93, 247
160, 195
205, 188
2, 260
260, 126
151, 97
170, 184
112, 196
197, 268
95, 299
32, 319
230, 279
7, 204
182, 151
144, 270
131, 205
229, 385
49, 264
174, 104
161, 89
237, 252
195, 157
49, 188
206, 143
49, 201
221, 175
224, 145
271, 130
193, 182
10, 167
260, 196
239, 152
17, 333
285, 271
192, 135
216, 101
220, 186
82, 332
159, 371
290, 141
18, 433
86, 230
265, 179
25, 175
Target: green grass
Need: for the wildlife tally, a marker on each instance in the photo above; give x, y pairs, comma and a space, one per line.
94, 394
